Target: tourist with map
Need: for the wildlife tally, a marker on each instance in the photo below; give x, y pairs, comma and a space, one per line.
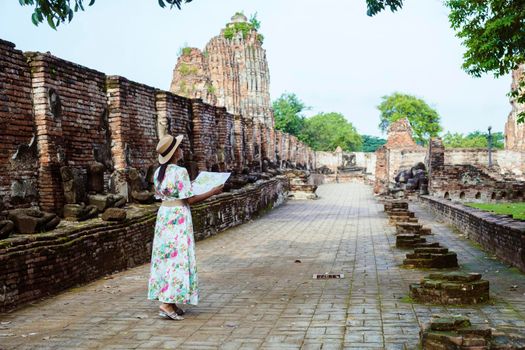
173, 277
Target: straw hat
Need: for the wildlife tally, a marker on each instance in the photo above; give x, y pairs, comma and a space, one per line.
167, 147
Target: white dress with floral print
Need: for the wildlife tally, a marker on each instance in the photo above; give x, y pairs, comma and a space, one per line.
173, 277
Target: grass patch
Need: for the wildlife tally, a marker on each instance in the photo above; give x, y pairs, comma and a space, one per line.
517, 210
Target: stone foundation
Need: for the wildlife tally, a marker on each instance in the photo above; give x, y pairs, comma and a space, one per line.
457, 333
409, 240
450, 289
36, 266
413, 228
432, 258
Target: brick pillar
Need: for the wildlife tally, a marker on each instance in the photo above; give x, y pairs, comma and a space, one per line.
436, 160
239, 148
49, 134
381, 173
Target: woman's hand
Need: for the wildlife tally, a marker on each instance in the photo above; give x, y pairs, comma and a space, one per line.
218, 189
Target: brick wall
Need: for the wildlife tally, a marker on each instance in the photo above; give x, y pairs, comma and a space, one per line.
225, 139
71, 121
133, 123
205, 136
32, 267
498, 235
175, 117
18, 155
240, 147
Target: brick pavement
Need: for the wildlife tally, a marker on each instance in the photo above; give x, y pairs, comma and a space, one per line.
255, 296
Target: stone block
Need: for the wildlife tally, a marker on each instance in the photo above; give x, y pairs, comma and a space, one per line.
80, 212
457, 333
451, 288
431, 257
6, 228
104, 201
114, 214
412, 227
29, 221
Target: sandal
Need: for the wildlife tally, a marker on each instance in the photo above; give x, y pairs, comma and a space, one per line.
172, 315
178, 310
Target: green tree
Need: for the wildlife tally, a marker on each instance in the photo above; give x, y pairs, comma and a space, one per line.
492, 31
56, 12
476, 139
371, 143
376, 6
327, 131
288, 115
423, 119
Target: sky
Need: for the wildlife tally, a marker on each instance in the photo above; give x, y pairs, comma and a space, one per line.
329, 53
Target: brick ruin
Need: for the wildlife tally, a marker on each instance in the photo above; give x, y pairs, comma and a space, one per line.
60, 120
514, 132
231, 73
76, 143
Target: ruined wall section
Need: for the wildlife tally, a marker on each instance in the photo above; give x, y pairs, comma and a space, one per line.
70, 116
225, 139
133, 123
514, 132
175, 117
18, 151
205, 136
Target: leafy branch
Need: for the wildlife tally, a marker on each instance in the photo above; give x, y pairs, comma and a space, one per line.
56, 12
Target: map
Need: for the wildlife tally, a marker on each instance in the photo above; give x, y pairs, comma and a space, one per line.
208, 180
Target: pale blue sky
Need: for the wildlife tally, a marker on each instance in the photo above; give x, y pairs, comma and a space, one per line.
329, 52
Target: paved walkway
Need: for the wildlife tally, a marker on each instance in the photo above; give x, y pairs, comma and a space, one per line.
254, 295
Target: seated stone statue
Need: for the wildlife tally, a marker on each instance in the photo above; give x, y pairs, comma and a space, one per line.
80, 212
6, 226
73, 185
138, 188
29, 221
96, 197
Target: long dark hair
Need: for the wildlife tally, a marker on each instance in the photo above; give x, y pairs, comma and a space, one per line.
162, 172
164, 167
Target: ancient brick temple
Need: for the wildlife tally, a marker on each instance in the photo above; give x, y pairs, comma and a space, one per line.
58, 120
514, 132
230, 72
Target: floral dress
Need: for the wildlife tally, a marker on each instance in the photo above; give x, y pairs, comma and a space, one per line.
173, 276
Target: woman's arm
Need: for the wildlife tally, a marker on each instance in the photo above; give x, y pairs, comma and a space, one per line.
200, 197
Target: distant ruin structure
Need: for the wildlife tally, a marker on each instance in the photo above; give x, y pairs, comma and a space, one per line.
514, 132
232, 72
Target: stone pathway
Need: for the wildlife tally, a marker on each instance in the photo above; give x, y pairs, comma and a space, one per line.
254, 295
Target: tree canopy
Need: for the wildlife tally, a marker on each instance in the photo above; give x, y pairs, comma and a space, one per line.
56, 12
476, 139
376, 6
288, 109
492, 32
327, 131
423, 119
371, 143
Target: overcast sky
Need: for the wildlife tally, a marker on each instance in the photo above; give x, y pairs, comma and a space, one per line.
334, 57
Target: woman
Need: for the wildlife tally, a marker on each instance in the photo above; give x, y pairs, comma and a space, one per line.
173, 276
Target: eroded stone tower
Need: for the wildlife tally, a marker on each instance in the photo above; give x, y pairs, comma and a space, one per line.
231, 72
514, 132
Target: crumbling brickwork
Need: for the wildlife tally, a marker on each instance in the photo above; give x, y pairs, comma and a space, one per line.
18, 149
231, 73
514, 132
70, 119
133, 122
